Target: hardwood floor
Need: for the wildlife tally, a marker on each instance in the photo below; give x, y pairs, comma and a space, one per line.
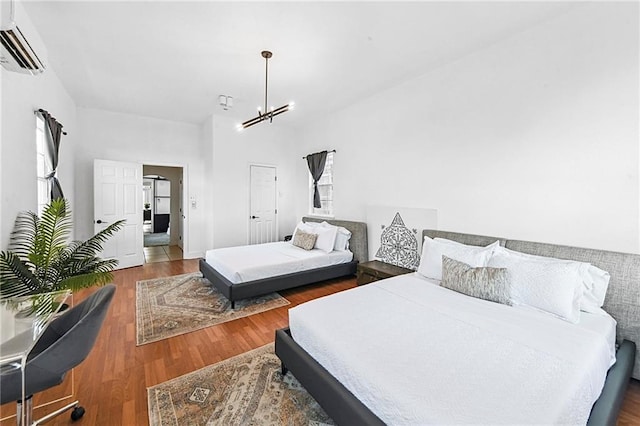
112, 382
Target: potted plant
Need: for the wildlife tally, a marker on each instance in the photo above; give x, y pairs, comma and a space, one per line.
41, 259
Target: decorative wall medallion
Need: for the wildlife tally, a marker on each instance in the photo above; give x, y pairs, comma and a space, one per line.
399, 245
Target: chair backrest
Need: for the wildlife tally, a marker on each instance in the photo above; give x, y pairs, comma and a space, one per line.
69, 339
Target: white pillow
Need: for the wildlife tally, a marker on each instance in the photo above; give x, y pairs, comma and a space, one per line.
553, 286
595, 288
433, 250
304, 227
342, 237
326, 237
595, 281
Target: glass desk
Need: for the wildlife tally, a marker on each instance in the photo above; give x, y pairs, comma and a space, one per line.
22, 322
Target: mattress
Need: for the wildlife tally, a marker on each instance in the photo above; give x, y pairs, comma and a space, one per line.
417, 353
255, 262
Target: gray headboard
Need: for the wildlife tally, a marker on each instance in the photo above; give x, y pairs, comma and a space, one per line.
358, 244
623, 295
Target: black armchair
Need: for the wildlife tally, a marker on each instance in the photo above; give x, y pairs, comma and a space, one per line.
63, 345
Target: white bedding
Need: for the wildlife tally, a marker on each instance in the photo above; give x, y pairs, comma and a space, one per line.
254, 262
417, 353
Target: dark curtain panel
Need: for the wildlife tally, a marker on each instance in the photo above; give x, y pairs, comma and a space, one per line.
316, 167
53, 133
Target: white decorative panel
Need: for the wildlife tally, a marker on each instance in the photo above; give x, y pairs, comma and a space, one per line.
129, 173
129, 195
108, 171
109, 198
395, 233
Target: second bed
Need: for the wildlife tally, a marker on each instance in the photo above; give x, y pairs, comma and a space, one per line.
254, 270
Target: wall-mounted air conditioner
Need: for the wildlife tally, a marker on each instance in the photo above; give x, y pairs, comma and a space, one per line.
21, 49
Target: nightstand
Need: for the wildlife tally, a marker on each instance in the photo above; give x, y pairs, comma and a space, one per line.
375, 270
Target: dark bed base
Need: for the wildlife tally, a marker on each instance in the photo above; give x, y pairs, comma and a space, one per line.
345, 409
255, 288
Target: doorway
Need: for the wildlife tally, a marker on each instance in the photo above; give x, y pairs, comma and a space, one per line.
263, 209
162, 213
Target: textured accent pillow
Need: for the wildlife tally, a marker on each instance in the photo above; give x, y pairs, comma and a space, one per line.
433, 250
553, 285
304, 240
490, 284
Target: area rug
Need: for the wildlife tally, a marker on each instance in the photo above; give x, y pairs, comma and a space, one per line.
244, 390
158, 239
167, 307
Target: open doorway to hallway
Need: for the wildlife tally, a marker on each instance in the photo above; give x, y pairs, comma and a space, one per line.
162, 213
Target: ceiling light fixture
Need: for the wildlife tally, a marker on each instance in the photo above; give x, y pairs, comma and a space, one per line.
268, 114
226, 102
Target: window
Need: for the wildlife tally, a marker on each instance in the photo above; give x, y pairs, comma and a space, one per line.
325, 189
42, 164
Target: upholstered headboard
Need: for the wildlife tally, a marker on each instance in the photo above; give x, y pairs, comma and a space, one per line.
358, 244
623, 295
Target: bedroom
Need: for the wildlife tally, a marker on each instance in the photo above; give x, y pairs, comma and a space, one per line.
533, 135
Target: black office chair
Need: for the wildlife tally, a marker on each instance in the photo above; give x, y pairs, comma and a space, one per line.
63, 345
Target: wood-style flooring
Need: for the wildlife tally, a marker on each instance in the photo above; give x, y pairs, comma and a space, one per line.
112, 382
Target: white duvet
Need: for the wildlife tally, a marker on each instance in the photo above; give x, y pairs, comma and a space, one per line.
254, 262
417, 353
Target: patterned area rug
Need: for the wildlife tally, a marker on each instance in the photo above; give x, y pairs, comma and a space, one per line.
244, 390
167, 307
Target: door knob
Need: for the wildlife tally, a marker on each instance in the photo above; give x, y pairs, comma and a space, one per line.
255, 217
98, 221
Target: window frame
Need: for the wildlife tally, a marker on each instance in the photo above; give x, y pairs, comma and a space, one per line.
43, 185
326, 189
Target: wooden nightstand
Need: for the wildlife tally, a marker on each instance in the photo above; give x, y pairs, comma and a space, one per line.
375, 270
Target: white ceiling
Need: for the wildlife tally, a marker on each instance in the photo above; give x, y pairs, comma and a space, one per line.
171, 59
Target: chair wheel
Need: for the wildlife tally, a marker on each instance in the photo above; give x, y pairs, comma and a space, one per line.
77, 413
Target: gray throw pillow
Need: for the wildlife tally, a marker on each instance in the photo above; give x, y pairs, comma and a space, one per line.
484, 283
304, 240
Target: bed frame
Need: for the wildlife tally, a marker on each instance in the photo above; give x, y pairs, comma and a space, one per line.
358, 244
622, 302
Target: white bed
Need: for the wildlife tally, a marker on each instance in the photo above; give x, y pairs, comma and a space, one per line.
254, 262
473, 358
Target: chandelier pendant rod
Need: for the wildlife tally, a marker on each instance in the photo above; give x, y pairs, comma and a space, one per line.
266, 114
266, 55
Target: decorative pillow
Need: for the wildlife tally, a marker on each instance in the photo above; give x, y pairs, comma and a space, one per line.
553, 286
342, 237
490, 284
433, 250
326, 237
304, 240
595, 281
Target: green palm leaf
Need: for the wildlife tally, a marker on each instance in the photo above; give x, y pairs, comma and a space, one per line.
42, 259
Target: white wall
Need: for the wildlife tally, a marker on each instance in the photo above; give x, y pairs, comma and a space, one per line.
124, 137
534, 138
21, 95
230, 153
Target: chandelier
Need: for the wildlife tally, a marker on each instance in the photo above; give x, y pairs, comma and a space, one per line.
266, 114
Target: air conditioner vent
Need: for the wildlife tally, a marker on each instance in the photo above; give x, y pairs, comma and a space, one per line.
16, 54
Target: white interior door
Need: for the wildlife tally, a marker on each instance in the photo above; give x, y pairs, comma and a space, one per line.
117, 194
263, 211
182, 216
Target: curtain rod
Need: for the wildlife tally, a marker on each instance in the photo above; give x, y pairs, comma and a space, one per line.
37, 111
333, 150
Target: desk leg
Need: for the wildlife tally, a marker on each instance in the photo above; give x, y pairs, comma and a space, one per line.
21, 419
